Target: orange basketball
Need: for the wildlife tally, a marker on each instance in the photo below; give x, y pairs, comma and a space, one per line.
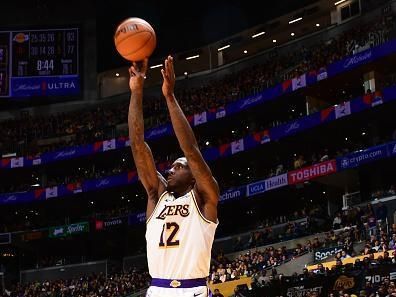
135, 39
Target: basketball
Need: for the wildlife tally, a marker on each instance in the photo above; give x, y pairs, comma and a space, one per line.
135, 39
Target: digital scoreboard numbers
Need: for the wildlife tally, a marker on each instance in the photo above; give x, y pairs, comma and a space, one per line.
4, 64
45, 53
40, 63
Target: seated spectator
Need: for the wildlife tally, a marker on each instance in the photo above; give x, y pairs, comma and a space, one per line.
344, 255
299, 162
217, 293
392, 242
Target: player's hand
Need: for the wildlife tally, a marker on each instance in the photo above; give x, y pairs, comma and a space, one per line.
137, 74
168, 74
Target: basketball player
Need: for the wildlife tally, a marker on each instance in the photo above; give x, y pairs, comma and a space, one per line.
182, 209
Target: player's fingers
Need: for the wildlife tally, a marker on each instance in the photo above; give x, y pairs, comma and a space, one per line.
163, 74
166, 65
134, 71
144, 65
171, 68
131, 73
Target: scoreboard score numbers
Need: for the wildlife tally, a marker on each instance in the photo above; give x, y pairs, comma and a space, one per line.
39, 63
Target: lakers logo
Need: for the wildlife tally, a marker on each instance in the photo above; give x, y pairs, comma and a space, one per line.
21, 37
344, 283
174, 210
175, 283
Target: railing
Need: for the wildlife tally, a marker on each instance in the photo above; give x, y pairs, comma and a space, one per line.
63, 272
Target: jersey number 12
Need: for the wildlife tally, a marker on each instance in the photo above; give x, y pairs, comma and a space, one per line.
172, 228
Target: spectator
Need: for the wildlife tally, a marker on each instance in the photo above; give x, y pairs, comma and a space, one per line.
382, 212
337, 222
371, 222
217, 293
344, 255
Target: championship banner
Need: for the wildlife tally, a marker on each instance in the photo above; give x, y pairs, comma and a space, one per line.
299, 82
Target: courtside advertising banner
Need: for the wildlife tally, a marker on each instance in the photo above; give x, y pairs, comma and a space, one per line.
233, 194
324, 253
67, 230
311, 172
276, 182
110, 223
363, 156
256, 188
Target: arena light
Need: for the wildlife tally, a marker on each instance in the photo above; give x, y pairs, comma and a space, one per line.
223, 47
317, 25
339, 2
155, 66
292, 34
117, 74
295, 20
258, 34
192, 57
245, 51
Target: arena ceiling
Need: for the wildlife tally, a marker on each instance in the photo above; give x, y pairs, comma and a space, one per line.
180, 25
184, 25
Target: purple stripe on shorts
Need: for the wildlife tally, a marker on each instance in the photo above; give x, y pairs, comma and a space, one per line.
178, 283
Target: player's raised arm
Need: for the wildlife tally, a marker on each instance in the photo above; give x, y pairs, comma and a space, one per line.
205, 185
152, 180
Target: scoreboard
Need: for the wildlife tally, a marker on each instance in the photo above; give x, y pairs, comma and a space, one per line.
39, 63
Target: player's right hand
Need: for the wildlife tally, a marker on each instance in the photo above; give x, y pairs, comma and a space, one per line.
137, 74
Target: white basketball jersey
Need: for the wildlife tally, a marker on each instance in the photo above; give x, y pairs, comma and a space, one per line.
179, 239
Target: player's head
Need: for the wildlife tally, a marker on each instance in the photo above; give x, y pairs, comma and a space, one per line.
180, 177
